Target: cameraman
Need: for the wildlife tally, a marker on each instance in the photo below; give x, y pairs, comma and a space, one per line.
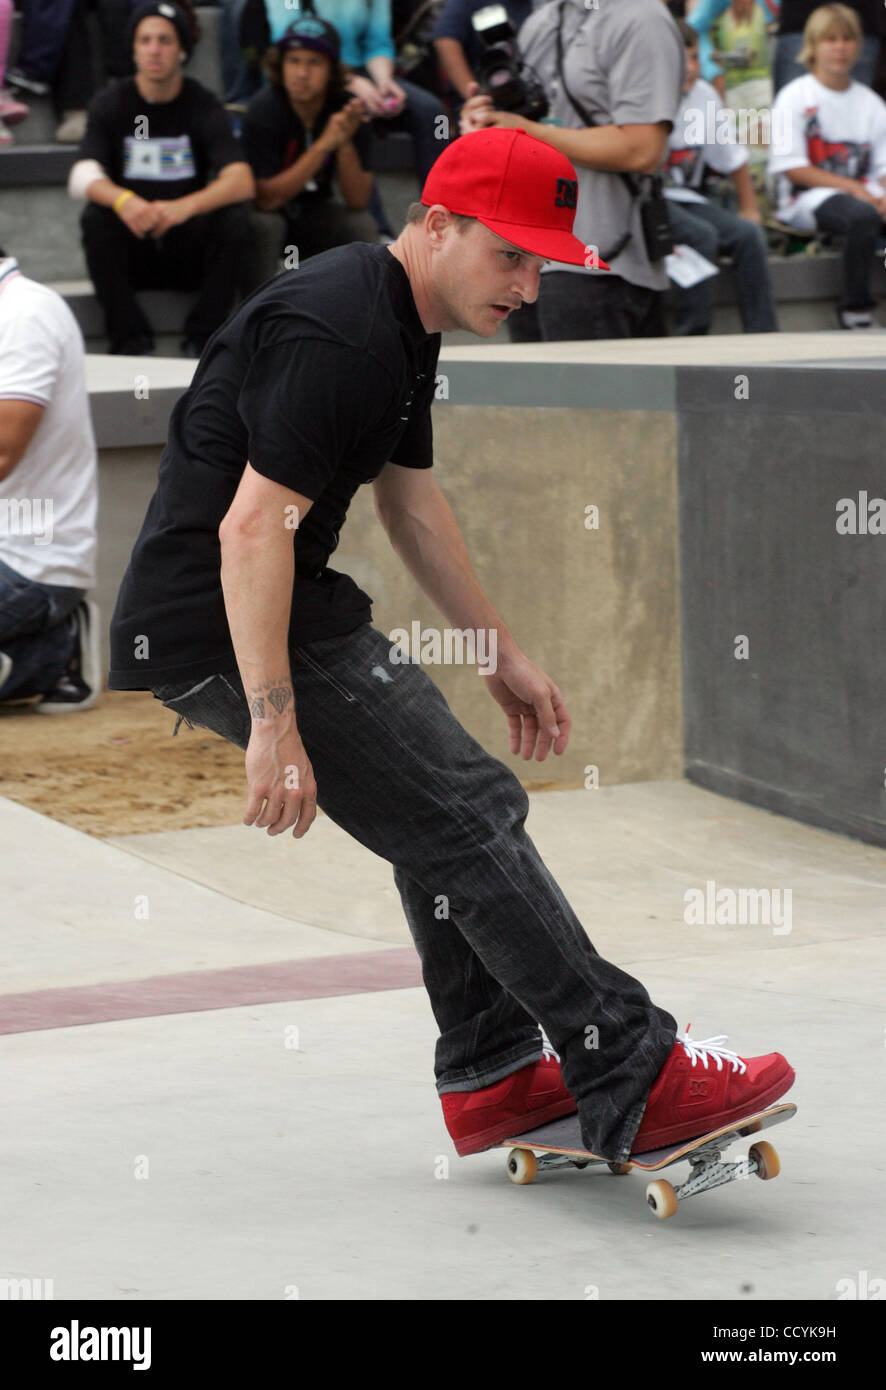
623, 66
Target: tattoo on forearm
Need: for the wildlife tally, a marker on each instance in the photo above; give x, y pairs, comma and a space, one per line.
269, 696
280, 697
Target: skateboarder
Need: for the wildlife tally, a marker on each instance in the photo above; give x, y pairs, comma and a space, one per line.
323, 380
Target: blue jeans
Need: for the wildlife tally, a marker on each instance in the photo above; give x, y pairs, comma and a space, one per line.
239, 84
710, 230
35, 632
786, 67
397, 771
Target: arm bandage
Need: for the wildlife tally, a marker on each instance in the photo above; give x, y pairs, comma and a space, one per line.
82, 174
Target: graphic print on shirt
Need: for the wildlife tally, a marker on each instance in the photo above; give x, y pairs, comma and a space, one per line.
681, 167
166, 158
848, 157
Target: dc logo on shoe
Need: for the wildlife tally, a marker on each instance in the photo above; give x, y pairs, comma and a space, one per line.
698, 1087
567, 193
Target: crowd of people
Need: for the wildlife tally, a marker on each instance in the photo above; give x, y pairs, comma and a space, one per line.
180, 191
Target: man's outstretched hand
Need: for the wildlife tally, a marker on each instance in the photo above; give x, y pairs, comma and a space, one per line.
535, 709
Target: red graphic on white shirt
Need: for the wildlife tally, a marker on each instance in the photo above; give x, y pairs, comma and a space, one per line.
848, 157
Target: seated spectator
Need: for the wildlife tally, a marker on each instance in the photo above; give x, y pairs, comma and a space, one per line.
614, 99
156, 219
367, 48
302, 136
56, 54
829, 154
458, 43
11, 110
702, 224
49, 637
789, 64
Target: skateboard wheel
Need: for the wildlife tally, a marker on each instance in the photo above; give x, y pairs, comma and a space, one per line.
662, 1198
619, 1169
766, 1159
522, 1166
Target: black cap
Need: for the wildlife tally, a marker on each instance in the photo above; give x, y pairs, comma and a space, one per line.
174, 13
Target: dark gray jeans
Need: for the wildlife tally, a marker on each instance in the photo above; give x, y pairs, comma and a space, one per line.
395, 769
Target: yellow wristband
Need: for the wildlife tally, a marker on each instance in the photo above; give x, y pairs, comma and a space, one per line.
121, 199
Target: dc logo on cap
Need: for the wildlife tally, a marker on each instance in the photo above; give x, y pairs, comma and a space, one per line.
167, 11
567, 193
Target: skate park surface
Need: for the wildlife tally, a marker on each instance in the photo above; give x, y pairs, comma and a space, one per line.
219, 1065
217, 1049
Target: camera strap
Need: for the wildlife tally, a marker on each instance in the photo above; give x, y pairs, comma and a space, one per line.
589, 121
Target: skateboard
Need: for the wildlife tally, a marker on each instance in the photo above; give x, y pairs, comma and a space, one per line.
560, 1146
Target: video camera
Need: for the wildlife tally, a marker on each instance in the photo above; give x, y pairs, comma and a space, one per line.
500, 71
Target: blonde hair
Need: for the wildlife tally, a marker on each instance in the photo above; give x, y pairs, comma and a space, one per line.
821, 25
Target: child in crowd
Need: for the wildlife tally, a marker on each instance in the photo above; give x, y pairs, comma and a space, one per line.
829, 155
704, 225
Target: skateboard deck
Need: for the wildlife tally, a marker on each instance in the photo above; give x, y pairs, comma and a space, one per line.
559, 1145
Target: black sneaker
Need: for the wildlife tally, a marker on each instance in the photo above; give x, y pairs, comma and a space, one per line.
79, 687
16, 78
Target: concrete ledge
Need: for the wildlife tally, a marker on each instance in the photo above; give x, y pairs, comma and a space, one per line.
40, 165
132, 398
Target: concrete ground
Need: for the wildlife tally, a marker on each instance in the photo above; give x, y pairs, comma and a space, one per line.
217, 1057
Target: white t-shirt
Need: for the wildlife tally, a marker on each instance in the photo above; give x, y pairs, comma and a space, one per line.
49, 502
840, 132
703, 134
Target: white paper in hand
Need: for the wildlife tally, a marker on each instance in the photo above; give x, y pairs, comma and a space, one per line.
687, 267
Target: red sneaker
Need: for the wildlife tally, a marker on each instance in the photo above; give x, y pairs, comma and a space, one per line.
532, 1096
691, 1095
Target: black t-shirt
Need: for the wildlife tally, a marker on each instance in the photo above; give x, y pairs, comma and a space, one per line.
159, 149
319, 378
274, 138
794, 14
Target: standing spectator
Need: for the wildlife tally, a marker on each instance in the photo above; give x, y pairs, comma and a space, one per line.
302, 135
241, 80
829, 154
743, 46
48, 502
703, 15
702, 224
156, 219
11, 110
794, 15
623, 66
367, 47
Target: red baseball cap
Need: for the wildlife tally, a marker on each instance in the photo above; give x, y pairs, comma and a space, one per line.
517, 186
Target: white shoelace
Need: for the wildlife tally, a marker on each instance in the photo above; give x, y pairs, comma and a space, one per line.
699, 1051
547, 1048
